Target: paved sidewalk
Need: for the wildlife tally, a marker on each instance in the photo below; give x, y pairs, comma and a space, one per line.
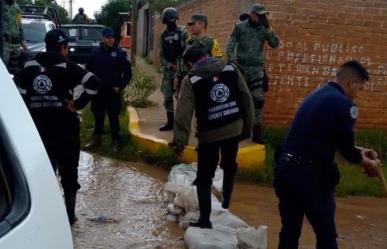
151, 118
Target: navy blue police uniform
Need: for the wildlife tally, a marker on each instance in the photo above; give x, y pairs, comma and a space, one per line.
305, 172
48, 84
112, 67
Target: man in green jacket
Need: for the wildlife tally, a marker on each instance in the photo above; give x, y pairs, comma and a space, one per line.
13, 36
245, 49
220, 98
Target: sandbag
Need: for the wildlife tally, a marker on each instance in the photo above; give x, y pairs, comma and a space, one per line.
197, 238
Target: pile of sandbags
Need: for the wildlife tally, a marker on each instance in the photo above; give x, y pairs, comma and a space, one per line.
228, 231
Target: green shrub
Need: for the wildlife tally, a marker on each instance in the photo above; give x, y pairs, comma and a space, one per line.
139, 89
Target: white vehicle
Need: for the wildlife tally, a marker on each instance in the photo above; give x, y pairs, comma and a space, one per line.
32, 211
35, 30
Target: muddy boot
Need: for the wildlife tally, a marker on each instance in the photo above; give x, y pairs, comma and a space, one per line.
257, 135
169, 125
204, 197
228, 185
70, 199
94, 143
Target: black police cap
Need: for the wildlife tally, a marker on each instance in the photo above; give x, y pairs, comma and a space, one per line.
55, 38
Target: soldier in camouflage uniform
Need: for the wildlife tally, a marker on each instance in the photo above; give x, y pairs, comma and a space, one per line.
171, 47
81, 17
198, 38
245, 49
198, 25
13, 37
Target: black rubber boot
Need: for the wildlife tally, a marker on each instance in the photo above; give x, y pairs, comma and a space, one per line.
169, 125
228, 185
257, 135
70, 200
116, 144
94, 143
204, 197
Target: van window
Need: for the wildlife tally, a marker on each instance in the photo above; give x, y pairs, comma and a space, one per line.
5, 195
15, 200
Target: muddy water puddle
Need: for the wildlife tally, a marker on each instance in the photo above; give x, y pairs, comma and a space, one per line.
122, 206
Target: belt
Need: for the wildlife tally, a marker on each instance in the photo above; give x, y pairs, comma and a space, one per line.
11, 39
298, 161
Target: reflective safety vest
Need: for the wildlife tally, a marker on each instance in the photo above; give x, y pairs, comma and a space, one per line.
216, 99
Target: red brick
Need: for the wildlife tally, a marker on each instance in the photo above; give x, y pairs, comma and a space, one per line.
356, 23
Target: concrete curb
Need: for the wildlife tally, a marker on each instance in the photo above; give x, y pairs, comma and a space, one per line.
249, 157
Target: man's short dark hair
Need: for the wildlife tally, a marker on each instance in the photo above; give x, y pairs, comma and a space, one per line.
193, 54
354, 67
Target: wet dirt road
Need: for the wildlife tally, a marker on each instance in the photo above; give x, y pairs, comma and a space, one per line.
122, 206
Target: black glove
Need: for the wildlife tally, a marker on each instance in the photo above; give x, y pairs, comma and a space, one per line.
265, 22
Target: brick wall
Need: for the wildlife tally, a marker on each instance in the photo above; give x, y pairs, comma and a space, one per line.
316, 36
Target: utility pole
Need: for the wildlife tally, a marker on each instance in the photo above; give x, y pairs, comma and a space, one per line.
133, 47
71, 9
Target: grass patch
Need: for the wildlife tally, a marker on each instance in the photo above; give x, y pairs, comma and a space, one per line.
140, 88
164, 158
353, 181
87, 126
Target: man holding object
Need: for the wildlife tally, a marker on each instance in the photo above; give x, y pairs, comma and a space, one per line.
305, 172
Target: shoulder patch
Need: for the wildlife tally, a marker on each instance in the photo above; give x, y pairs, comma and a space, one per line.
62, 65
353, 112
228, 68
195, 79
32, 63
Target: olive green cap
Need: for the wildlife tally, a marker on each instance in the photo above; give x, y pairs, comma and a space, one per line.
259, 9
198, 17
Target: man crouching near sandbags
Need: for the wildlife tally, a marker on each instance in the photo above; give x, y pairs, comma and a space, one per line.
223, 106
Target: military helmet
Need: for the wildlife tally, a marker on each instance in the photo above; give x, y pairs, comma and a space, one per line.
169, 15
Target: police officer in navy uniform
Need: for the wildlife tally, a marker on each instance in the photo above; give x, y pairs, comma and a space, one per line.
111, 64
305, 172
47, 85
220, 98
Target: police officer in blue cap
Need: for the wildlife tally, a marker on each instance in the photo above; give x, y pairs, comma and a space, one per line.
47, 85
305, 172
111, 64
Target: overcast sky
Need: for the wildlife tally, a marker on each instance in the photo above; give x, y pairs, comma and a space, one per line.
90, 6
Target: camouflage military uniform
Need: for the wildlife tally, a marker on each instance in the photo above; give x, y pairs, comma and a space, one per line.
12, 33
167, 60
248, 40
210, 45
81, 19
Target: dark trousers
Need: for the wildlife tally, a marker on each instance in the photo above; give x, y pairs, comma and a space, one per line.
110, 103
64, 157
208, 159
303, 192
